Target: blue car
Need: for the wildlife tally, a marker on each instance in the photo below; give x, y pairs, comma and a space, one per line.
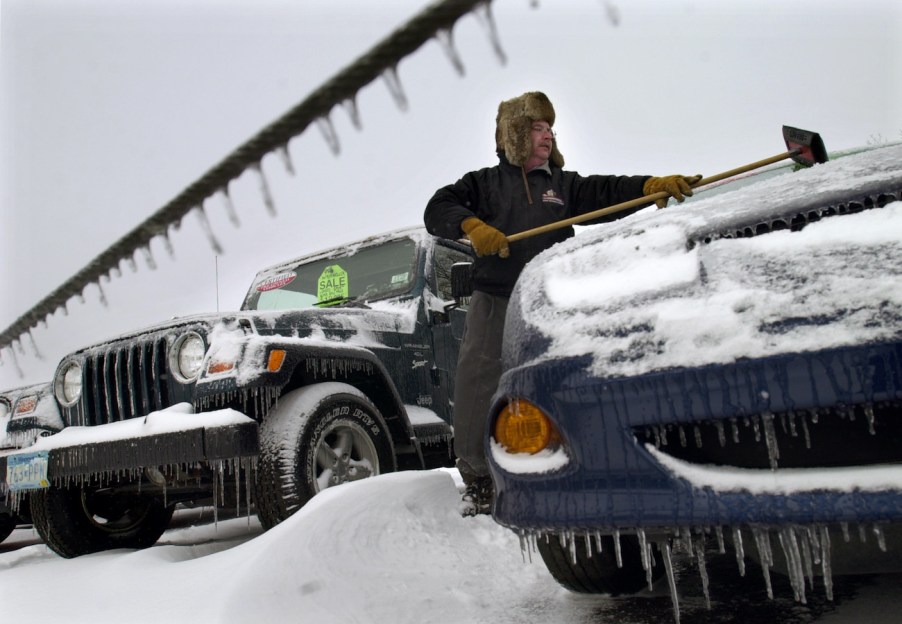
725, 375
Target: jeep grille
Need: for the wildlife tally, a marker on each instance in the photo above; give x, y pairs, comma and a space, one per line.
124, 382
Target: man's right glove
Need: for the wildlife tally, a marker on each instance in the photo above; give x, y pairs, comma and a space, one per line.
676, 185
486, 240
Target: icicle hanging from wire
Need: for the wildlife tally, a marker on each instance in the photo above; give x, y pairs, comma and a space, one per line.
445, 37
484, 13
612, 12
208, 231
264, 189
34, 346
148, 258
350, 105
229, 206
102, 294
390, 76
285, 155
327, 129
167, 243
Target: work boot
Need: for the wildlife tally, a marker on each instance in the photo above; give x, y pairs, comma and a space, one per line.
477, 497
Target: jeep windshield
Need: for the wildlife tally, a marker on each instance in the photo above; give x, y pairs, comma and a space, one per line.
353, 276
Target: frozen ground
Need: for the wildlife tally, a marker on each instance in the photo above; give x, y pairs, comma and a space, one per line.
390, 549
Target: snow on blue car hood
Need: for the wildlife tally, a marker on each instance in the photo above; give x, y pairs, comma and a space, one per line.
653, 291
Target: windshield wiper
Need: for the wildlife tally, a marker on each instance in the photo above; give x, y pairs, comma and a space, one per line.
336, 302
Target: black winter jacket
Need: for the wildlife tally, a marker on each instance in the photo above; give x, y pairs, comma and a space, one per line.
501, 197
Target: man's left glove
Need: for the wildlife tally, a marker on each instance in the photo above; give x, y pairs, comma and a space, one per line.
676, 185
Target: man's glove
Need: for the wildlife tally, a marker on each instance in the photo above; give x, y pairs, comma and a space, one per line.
487, 241
676, 185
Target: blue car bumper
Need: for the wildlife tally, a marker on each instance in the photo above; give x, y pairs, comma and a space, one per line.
829, 414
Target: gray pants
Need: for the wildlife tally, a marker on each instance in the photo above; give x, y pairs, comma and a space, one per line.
478, 372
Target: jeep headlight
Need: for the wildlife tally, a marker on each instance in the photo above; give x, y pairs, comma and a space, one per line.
186, 356
68, 384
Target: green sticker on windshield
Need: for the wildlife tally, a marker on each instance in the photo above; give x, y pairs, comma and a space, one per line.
332, 284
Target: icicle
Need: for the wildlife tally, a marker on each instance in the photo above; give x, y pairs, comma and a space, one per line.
698, 436
612, 12
148, 258
646, 559
740, 553
34, 345
618, 554
735, 426
845, 531
350, 105
721, 547
205, 226
285, 155
806, 433
484, 14
826, 566
671, 581
869, 414
102, 295
682, 436
264, 190
721, 434
770, 439
229, 206
703, 571
790, 546
762, 541
881, 539
862, 534
130, 261
523, 544
446, 40
167, 244
328, 131
390, 76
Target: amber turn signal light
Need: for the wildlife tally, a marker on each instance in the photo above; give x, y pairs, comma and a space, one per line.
276, 358
521, 427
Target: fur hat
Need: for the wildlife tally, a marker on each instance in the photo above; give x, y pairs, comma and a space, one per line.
514, 122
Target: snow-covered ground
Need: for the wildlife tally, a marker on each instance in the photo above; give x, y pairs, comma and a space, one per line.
391, 549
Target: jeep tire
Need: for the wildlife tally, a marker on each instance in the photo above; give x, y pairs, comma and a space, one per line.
317, 437
75, 521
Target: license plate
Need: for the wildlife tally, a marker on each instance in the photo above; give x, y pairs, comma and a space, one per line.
27, 471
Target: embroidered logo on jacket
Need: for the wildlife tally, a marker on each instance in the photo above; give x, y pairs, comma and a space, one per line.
551, 197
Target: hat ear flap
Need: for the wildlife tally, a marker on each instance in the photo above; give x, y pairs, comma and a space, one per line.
556, 158
518, 142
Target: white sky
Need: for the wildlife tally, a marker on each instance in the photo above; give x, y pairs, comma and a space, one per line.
109, 109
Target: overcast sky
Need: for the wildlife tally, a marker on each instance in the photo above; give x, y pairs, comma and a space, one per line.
109, 109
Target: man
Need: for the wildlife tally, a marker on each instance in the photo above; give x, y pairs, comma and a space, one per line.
527, 189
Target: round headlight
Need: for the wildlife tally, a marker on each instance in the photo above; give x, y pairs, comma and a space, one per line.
187, 357
68, 384
523, 427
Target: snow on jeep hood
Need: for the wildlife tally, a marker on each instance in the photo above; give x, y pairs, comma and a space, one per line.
648, 293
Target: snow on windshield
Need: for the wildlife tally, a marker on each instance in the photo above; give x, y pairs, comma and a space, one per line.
637, 297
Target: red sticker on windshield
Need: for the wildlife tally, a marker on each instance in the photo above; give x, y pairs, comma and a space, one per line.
277, 281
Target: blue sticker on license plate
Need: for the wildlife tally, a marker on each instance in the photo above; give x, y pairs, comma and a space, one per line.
27, 471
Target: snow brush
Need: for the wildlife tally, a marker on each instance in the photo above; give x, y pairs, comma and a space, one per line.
805, 148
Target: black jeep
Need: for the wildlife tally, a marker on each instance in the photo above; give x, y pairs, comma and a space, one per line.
339, 366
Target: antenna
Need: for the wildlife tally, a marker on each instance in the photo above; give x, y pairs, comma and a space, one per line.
217, 282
